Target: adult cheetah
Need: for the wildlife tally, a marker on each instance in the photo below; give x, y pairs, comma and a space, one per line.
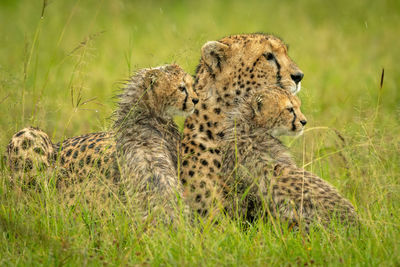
229, 70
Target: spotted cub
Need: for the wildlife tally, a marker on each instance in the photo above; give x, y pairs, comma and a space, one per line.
148, 141
258, 169
146, 138
28, 152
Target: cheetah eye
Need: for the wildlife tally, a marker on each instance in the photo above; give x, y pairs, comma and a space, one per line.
182, 88
291, 110
269, 56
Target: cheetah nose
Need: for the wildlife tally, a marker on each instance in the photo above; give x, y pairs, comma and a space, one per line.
303, 122
195, 100
297, 77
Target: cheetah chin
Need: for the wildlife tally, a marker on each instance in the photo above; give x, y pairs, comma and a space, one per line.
296, 88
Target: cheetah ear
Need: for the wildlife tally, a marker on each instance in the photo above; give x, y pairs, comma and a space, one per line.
213, 52
150, 78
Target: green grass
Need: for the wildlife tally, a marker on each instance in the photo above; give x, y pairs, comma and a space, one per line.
60, 72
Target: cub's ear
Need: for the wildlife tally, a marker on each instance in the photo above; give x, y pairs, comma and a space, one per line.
151, 77
213, 53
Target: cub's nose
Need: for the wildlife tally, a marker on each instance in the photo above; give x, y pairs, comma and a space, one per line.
195, 100
303, 122
297, 77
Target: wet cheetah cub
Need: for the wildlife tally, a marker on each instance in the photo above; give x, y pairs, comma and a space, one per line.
261, 170
138, 160
147, 139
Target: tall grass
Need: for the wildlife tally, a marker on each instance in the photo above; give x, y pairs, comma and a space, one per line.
61, 65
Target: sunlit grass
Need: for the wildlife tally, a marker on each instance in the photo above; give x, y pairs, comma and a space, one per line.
61, 71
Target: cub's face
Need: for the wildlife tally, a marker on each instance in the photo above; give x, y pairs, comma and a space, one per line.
279, 112
171, 91
183, 98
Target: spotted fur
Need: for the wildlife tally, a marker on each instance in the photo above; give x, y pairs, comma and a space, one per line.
29, 151
146, 138
261, 173
230, 70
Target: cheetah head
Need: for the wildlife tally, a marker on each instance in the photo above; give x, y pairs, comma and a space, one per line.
247, 62
278, 112
170, 90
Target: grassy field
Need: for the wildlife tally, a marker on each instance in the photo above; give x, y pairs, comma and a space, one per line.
61, 66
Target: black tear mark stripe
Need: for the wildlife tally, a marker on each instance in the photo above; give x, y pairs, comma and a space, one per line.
294, 120
278, 66
185, 100
278, 73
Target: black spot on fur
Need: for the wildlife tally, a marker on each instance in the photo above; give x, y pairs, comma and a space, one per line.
198, 198
75, 155
204, 162
217, 110
83, 148
221, 134
91, 145
191, 173
19, 133
38, 150
202, 147
217, 163
69, 152
28, 164
209, 135
185, 162
88, 159
26, 143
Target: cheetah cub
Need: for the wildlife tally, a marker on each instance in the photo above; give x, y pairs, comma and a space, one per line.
138, 159
148, 141
259, 169
29, 151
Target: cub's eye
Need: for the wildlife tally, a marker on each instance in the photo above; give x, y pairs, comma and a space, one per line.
269, 56
182, 88
291, 110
